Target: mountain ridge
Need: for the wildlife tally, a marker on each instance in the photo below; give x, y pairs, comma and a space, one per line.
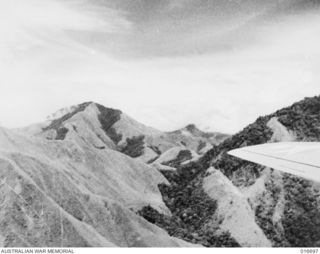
299, 122
284, 208
60, 193
118, 131
98, 178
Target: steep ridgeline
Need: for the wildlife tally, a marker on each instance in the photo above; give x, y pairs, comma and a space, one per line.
70, 193
223, 201
110, 128
286, 208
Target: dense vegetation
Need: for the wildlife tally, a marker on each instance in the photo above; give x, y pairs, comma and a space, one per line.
134, 146
300, 221
177, 228
302, 213
191, 208
61, 133
265, 214
256, 133
201, 145
303, 118
108, 117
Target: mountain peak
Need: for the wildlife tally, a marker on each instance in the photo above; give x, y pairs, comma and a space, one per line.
67, 110
192, 127
93, 112
194, 130
66, 113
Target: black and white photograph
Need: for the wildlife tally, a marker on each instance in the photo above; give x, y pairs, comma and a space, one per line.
161, 124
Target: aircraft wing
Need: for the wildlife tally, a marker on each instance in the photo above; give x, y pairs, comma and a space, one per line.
297, 158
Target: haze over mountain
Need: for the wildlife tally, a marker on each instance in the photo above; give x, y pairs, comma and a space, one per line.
184, 61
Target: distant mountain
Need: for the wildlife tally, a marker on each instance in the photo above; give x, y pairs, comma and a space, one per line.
215, 138
106, 127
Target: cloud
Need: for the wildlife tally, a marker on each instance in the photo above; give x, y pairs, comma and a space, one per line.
58, 15
64, 57
178, 4
37, 37
39, 50
25, 25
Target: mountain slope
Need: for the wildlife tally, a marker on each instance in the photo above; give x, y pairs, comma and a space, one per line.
105, 127
83, 158
286, 207
242, 203
69, 193
234, 212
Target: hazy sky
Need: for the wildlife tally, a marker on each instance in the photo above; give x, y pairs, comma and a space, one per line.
216, 63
